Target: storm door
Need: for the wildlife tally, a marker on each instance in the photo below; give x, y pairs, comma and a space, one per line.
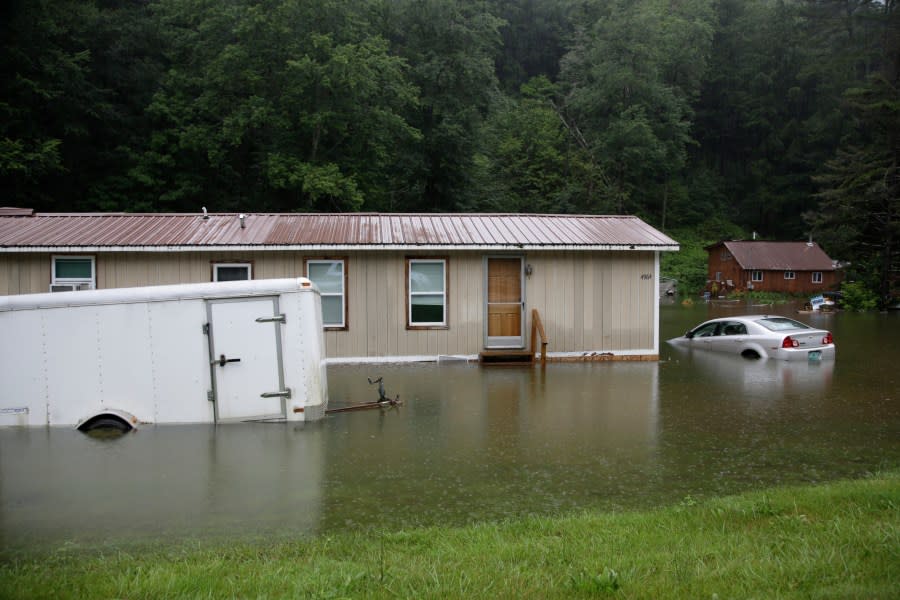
505, 302
245, 359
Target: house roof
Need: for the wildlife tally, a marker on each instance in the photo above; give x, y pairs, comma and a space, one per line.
22, 231
778, 256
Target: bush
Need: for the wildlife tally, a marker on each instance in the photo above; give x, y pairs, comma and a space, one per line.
858, 297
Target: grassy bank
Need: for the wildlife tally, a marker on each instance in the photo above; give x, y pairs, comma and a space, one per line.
832, 541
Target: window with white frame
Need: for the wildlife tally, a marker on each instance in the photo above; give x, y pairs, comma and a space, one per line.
718, 275
790, 275
330, 276
756, 275
426, 292
232, 271
817, 277
70, 273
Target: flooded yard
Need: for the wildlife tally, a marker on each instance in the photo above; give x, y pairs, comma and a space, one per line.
472, 443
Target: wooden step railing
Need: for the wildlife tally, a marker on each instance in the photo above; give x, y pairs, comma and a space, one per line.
537, 327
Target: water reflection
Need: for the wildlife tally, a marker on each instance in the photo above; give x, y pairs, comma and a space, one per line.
471, 444
172, 481
736, 375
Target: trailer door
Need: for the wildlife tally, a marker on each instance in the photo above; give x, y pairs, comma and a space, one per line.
245, 359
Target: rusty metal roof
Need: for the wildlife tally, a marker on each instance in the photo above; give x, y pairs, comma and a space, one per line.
780, 256
168, 231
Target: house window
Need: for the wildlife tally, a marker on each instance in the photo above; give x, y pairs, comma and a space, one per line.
232, 271
726, 255
789, 275
756, 275
70, 273
331, 278
426, 292
817, 277
718, 275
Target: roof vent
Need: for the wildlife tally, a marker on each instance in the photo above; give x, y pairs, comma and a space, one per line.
205, 215
242, 216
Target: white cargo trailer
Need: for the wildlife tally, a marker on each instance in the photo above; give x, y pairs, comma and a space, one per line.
194, 353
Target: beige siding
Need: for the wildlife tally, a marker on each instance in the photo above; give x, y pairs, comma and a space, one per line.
594, 302
24, 273
588, 301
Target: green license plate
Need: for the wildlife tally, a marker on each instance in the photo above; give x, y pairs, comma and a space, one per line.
815, 355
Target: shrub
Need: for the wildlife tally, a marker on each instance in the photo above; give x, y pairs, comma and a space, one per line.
858, 297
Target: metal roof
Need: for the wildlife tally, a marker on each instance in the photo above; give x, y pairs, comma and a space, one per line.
347, 231
780, 256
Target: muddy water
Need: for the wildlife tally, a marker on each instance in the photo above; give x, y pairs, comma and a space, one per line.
472, 443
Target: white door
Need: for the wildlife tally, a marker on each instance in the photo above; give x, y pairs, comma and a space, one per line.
245, 358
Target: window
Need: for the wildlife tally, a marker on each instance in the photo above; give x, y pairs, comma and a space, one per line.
70, 273
718, 275
726, 255
232, 271
733, 328
756, 275
331, 277
789, 275
817, 277
427, 292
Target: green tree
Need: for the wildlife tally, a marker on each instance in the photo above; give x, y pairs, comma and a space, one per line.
450, 46
631, 78
534, 164
282, 104
48, 104
859, 209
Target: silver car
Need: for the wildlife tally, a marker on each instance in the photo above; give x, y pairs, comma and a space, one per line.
761, 336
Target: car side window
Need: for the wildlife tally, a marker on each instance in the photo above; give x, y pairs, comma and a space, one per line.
706, 330
734, 328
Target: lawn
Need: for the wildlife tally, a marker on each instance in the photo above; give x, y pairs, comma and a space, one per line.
837, 540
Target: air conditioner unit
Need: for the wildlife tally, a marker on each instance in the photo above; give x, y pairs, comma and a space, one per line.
70, 287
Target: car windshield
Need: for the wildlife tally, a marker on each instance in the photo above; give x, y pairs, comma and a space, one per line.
782, 323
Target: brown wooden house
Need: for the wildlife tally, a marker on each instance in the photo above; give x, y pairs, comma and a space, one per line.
787, 267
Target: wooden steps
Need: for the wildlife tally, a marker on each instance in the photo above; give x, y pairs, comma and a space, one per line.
506, 357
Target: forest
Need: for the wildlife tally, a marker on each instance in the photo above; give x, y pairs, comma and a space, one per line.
709, 119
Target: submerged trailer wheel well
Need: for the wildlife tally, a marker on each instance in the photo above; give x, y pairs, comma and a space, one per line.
114, 420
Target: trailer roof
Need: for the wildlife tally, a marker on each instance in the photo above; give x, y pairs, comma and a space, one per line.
22, 230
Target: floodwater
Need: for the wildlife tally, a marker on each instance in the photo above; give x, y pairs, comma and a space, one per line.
472, 444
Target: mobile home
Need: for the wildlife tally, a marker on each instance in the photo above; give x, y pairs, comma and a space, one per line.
394, 287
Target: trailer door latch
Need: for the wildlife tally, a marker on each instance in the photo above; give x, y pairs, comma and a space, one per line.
276, 319
221, 361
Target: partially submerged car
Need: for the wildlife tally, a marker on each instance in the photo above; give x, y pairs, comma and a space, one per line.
761, 336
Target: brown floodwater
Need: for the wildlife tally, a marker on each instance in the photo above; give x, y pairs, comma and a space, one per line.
471, 444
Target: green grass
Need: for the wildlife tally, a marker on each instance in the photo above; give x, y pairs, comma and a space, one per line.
836, 540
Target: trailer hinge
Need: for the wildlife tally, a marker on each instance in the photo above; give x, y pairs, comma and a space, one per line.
210, 396
206, 329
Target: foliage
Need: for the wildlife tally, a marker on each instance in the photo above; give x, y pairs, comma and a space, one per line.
779, 116
689, 265
858, 297
831, 540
